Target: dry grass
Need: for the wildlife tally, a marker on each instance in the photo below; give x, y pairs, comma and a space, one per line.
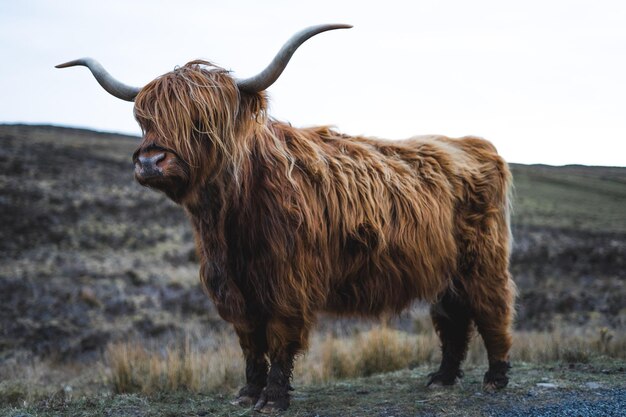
571, 345
135, 367
212, 361
375, 351
24, 379
190, 366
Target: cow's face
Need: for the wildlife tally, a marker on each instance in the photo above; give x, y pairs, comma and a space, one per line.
161, 168
188, 118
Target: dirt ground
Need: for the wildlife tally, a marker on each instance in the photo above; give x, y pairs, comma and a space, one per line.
593, 389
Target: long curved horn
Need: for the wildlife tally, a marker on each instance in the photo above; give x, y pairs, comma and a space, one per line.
113, 86
270, 74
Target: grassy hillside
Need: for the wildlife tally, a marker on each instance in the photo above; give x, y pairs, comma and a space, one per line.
574, 197
91, 264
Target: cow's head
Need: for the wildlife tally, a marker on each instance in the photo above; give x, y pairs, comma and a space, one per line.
191, 117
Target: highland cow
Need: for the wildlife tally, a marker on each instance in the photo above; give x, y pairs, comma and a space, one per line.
290, 222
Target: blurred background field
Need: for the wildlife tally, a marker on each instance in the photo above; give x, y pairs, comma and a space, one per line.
99, 286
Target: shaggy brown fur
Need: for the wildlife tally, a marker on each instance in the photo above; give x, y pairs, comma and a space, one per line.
290, 222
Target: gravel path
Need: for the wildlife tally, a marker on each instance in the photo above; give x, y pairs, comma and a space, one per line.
603, 403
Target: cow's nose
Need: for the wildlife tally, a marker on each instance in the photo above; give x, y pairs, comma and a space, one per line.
147, 166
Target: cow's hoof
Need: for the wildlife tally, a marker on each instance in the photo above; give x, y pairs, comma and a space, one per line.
248, 395
270, 407
444, 378
245, 401
495, 377
267, 406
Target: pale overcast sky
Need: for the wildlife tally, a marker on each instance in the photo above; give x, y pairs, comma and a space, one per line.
544, 80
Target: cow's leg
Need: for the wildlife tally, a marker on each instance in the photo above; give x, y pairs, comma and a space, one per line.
286, 338
493, 314
484, 265
451, 317
253, 343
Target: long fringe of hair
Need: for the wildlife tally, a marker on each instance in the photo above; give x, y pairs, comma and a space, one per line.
198, 112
